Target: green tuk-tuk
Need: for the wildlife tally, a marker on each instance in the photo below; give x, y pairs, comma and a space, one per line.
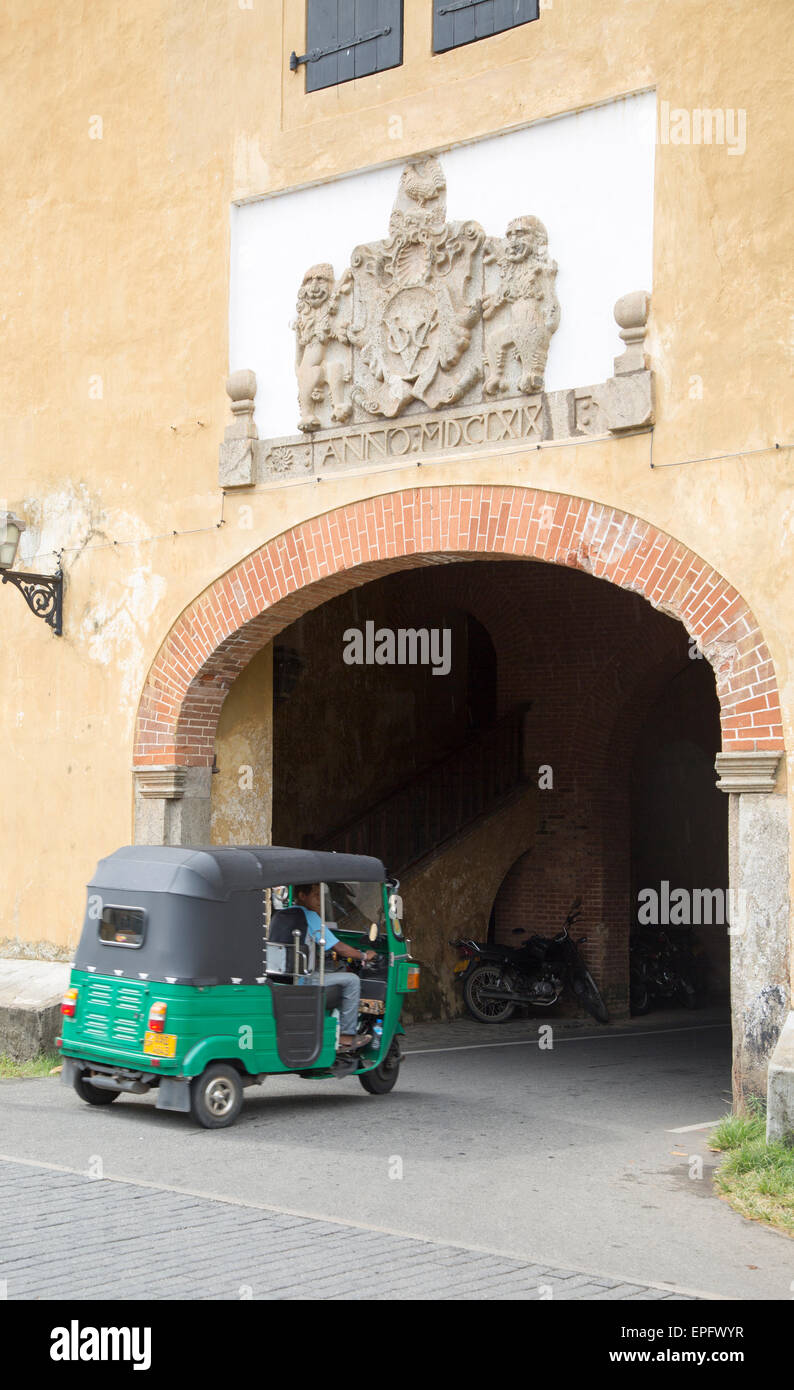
196, 975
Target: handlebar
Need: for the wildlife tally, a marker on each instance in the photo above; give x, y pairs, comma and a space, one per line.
353, 963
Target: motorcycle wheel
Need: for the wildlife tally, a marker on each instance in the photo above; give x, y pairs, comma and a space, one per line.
587, 993
485, 1010
639, 998
686, 994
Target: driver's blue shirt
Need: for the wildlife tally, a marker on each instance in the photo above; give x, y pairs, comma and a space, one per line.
314, 929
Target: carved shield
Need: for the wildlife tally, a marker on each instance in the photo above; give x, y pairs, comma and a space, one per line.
409, 334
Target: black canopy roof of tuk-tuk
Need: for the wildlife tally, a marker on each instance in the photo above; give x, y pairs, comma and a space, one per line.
216, 872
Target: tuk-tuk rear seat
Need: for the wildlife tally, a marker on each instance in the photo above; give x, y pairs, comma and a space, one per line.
299, 1009
280, 954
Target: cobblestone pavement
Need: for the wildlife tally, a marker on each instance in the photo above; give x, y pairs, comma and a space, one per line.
64, 1235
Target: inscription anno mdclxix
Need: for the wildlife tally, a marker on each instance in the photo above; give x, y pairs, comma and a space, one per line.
453, 431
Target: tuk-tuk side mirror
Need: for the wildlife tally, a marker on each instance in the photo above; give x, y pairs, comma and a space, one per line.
395, 906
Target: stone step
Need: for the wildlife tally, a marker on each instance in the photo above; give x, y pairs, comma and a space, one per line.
30, 1000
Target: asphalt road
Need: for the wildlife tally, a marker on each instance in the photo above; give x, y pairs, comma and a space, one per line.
562, 1158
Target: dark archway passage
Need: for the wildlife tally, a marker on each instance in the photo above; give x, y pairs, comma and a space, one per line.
588, 690
353, 731
679, 819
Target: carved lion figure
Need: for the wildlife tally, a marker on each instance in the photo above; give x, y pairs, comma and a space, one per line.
524, 309
320, 323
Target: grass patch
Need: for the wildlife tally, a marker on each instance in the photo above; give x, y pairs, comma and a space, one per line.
756, 1178
37, 1066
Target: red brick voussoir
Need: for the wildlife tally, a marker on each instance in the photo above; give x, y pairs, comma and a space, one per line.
216, 637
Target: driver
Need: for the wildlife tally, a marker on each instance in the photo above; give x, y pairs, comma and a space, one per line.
307, 896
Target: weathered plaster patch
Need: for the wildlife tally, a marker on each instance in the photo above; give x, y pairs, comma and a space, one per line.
764, 1017
114, 628
251, 169
63, 519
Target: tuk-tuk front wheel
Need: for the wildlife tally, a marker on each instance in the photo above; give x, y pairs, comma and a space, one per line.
381, 1079
216, 1096
93, 1095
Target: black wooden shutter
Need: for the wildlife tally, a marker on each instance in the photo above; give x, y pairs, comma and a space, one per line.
456, 22
350, 38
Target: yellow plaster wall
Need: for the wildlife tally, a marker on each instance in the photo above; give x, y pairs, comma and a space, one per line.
242, 785
115, 303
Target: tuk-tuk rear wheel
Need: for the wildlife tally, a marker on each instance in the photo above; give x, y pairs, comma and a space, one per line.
216, 1096
93, 1095
380, 1080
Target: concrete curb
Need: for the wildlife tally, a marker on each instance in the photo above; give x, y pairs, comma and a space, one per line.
30, 998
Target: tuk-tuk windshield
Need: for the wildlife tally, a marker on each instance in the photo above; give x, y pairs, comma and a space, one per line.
353, 907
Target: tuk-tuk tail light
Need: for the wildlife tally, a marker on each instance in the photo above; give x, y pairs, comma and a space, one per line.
157, 1015
412, 977
69, 1003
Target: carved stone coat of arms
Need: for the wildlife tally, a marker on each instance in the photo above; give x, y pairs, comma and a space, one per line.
436, 314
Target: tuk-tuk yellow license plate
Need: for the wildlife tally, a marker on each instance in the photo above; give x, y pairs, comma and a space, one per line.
160, 1044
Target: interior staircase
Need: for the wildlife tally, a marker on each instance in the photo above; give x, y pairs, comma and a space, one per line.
434, 806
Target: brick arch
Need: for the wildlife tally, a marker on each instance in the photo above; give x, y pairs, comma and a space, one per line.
216, 637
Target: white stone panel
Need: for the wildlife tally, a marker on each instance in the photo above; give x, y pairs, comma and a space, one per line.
587, 176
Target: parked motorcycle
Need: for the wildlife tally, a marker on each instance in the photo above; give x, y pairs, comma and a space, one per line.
661, 969
496, 979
